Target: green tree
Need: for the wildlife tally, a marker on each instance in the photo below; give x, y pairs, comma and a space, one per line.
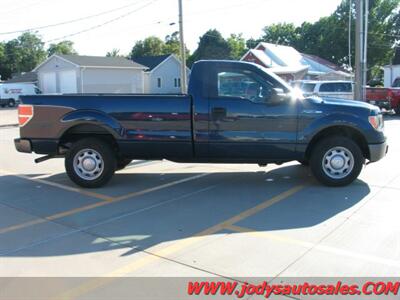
172, 44
281, 33
2, 60
22, 54
114, 53
328, 37
237, 46
63, 47
211, 46
148, 47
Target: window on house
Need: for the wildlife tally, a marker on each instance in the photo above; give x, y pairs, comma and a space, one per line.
159, 82
177, 82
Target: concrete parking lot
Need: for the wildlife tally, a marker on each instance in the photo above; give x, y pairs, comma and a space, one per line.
167, 219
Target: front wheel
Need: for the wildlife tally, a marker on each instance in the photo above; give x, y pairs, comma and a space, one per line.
90, 163
336, 161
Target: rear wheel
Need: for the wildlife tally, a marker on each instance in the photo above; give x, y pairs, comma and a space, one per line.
336, 161
11, 103
90, 163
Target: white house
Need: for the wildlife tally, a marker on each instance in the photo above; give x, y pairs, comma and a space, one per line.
290, 64
163, 73
90, 74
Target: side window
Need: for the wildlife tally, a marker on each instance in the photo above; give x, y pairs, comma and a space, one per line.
327, 87
396, 82
347, 87
159, 82
243, 84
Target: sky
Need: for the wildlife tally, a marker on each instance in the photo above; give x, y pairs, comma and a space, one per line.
102, 25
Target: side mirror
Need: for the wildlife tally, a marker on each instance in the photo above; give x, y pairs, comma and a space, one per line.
278, 96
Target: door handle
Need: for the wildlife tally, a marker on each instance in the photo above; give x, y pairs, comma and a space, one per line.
218, 112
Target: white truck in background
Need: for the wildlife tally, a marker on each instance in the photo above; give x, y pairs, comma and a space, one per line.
391, 74
10, 92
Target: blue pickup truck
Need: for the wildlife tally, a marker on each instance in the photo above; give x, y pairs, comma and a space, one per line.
234, 112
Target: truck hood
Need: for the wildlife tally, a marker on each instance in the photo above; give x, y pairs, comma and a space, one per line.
336, 103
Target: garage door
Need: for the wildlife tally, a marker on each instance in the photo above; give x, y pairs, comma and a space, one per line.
68, 82
49, 83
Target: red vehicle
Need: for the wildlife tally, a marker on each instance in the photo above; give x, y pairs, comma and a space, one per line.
388, 98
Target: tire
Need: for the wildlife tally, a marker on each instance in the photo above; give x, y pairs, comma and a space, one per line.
11, 103
99, 158
122, 163
336, 161
397, 110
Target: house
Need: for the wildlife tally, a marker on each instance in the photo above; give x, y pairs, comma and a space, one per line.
322, 69
90, 74
282, 60
290, 64
162, 75
27, 77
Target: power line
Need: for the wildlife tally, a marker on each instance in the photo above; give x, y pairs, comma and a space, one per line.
70, 21
102, 24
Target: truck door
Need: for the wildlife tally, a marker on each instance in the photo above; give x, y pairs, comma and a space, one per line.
250, 116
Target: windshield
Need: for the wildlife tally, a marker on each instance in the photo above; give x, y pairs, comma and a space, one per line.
308, 87
285, 85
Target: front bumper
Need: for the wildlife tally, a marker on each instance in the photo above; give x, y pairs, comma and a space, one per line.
377, 151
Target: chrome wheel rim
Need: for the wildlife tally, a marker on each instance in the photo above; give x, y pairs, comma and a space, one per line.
338, 162
88, 164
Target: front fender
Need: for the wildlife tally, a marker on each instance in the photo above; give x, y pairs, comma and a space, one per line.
94, 117
312, 127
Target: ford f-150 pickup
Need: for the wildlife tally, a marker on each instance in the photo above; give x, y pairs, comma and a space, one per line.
234, 112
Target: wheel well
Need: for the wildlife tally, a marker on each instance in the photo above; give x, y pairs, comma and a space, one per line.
349, 132
81, 131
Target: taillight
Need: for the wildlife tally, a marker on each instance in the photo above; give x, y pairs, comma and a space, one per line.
25, 114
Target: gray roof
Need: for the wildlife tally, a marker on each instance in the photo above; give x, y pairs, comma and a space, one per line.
101, 61
23, 77
151, 62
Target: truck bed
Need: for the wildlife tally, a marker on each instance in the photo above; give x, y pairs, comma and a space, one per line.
154, 120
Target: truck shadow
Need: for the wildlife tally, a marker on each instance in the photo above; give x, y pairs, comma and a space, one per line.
180, 212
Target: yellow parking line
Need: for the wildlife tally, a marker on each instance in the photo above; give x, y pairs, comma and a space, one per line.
108, 200
309, 245
174, 248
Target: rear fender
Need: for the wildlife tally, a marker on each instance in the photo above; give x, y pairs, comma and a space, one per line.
92, 117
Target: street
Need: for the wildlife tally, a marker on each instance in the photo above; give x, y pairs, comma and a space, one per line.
162, 219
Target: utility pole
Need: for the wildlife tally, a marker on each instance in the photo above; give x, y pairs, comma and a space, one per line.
350, 19
362, 11
358, 87
182, 50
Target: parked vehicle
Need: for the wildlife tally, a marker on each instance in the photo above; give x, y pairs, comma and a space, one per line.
384, 98
327, 89
387, 98
10, 93
234, 112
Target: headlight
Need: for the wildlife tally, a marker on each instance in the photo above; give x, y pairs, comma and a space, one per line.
376, 121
